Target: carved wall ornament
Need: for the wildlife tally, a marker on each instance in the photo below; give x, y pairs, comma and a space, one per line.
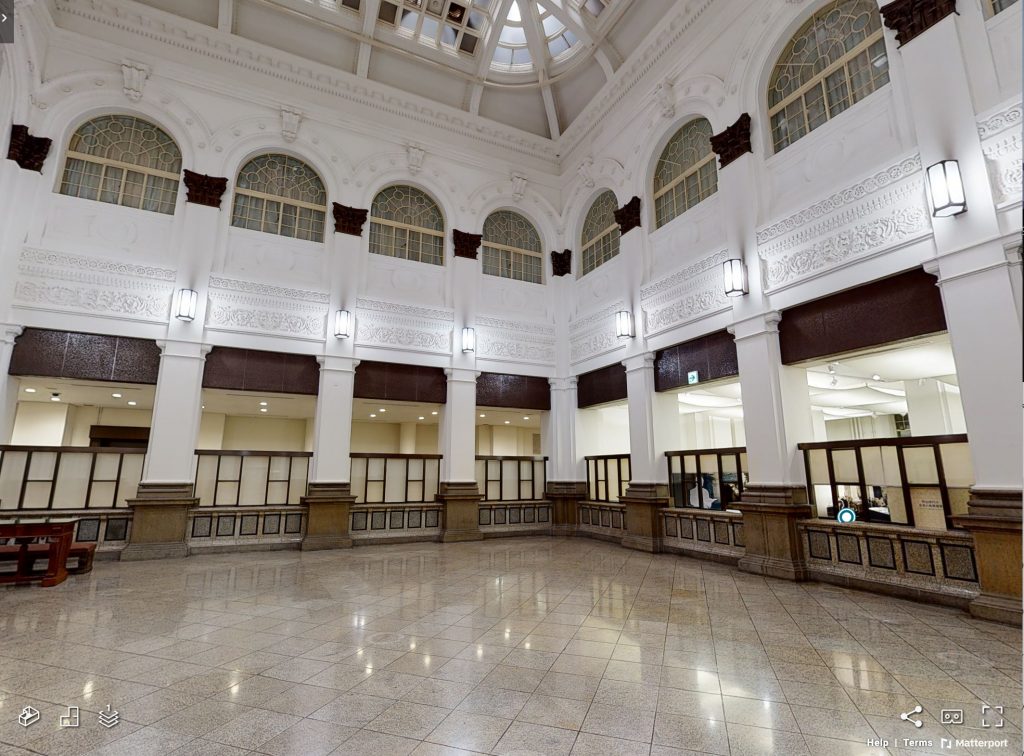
628, 216
28, 151
561, 263
466, 245
203, 189
519, 182
135, 76
349, 220
585, 172
414, 155
733, 142
290, 120
665, 95
911, 18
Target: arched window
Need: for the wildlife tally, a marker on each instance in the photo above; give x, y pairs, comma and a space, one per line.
836, 59
600, 239
406, 223
686, 172
512, 248
997, 6
278, 194
123, 160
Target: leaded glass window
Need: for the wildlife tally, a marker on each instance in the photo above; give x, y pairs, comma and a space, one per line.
123, 160
278, 194
836, 59
512, 248
406, 223
686, 172
600, 238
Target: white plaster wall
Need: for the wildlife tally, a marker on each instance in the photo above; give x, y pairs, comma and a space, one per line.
264, 433
602, 430
39, 424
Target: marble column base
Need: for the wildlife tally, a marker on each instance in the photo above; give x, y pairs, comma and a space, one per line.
461, 512
564, 497
328, 507
994, 520
771, 542
643, 503
159, 521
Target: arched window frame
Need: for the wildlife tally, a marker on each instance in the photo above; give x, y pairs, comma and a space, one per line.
388, 237
599, 223
157, 187
794, 113
692, 184
308, 217
509, 260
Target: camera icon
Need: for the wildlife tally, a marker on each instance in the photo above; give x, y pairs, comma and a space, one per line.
951, 716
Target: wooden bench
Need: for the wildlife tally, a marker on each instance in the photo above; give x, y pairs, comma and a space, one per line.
57, 536
82, 552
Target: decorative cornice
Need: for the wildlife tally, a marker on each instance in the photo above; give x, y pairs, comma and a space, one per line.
733, 142
391, 308
912, 18
466, 245
1000, 121
683, 276
28, 151
203, 189
561, 263
628, 216
94, 264
526, 328
266, 290
349, 220
851, 194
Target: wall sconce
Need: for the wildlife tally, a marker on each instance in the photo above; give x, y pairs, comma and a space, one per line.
947, 189
342, 324
624, 324
185, 302
735, 273
468, 339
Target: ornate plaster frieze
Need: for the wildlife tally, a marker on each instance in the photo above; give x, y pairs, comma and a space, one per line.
396, 326
73, 283
848, 196
234, 50
594, 335
266, 290
515, 341
1001, 144
686, 295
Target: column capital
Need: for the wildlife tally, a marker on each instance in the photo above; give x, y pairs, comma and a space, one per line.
461, 375
563, 384
9, 332
756, 325
204, 190
187, 349
644, 361
349, 220
733, 142
333, 362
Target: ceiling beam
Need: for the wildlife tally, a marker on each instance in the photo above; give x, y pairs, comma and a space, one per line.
497, 21
577, 22
550, 109
226, 16
537, 45
370, 10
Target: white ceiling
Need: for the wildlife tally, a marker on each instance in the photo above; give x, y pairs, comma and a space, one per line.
531, 64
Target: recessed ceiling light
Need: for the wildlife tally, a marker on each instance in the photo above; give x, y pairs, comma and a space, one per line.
30, 391
483, 415
382, 410
434, 412
203, 407
876, 377
263, 409
263, 404
422, 418
132, 404
117, 396
508, 422
526, 417
55, 397
373, 416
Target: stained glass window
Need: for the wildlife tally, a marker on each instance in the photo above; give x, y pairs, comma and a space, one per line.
123, 160
512, 248
279, 194
686, 172
406, 223
600, 238
836, 59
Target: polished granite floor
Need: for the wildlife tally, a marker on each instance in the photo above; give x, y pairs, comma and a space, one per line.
520, 646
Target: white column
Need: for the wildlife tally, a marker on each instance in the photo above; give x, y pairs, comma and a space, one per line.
9, 385
199, 228
643, 464
332, 429
933, 408
458, 427
776, 404
559, 430
176, 414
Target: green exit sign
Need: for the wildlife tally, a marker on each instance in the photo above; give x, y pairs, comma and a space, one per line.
692, 377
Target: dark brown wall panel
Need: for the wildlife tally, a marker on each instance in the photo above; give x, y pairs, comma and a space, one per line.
86, 356
599, 386
900, 307
514, 391
253, 370
408, 383
712, 356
